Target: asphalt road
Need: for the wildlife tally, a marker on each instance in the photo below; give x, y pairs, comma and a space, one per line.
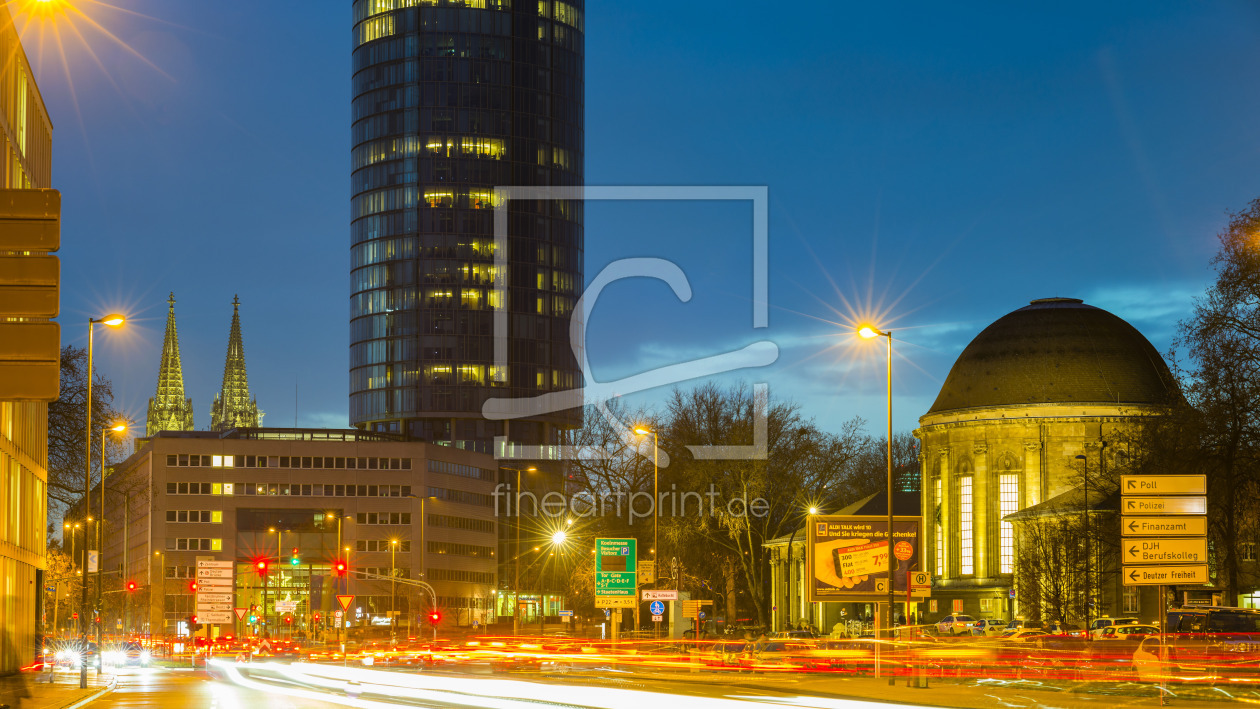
167, 689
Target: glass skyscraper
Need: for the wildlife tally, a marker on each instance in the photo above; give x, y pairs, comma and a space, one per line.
452, 98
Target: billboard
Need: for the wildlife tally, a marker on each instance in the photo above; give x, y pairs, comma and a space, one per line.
847, 556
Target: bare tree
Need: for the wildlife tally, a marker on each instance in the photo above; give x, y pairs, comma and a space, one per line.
67, 437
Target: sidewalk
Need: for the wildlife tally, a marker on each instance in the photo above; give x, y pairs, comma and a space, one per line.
31, 690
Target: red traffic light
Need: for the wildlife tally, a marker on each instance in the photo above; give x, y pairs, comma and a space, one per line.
435, 617
340, 568
261, 567
194, 620
288, 619
192, 586
131, 586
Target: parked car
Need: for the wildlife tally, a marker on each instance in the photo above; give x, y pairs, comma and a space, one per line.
989, 627
1126, 632
1100, 624
955, 625
1059, 627
1021, 624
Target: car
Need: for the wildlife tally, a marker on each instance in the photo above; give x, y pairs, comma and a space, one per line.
1021, 624
793, 635
955, 625
1224, 640
988, 627
1019, 635
1059, 627
1101, 624
1126, 632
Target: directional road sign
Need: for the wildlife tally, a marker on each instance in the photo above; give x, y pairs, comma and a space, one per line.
1165, 505
1163, 484
214, 584
214, 573
214, 564
215, 598
1163, 526
614, 602
206, 606
1165, 575
215, 617
1167, 551
657, 608
615, 568
659, 595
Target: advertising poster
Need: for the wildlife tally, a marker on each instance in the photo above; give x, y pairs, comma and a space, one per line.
848, 556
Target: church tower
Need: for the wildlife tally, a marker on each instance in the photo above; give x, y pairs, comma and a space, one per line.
233, 407
170, 410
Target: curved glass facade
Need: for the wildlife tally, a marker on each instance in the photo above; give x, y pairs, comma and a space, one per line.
451, 99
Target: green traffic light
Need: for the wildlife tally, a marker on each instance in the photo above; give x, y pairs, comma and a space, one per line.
293, 561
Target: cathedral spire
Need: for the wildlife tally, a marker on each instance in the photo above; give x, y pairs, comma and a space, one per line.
233, 407
169, 410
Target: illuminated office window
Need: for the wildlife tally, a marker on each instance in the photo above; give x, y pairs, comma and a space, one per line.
1008, 488
966, 540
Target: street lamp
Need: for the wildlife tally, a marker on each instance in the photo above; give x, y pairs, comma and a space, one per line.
516, 593
393, 584
1088, 560
655, 491
113, 320
118, 427
868, 332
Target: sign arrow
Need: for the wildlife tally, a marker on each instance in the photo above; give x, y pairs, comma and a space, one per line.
1132, 526
1132, 484
1133, 575
1130, 505
1133, 551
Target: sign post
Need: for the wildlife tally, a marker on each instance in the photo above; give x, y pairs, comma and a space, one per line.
616, 570
1160, 543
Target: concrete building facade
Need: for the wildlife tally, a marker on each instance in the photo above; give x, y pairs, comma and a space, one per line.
393, 509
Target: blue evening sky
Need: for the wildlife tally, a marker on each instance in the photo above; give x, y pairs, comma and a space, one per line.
938, 165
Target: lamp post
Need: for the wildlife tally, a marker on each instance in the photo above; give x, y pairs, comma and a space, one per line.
656, 468
868, 332
516, 592
113, 320
279, 566
1088, 560
393, 584
100, 536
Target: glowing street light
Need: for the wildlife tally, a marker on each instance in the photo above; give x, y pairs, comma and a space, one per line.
868, 332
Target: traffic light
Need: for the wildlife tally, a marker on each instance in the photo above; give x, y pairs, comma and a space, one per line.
340, 567
192, 586
288, 619
193, 625
261, 567
131, 587
253, 619
294, 560
435, 616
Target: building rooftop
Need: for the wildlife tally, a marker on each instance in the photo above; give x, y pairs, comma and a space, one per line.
1056, 351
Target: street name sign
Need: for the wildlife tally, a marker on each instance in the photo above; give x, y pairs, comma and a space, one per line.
1163, 526
1190, 505
1163, 484
1168, 551
1165, 575
659, 595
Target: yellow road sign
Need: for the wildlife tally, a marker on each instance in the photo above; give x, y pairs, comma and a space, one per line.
1169, 551
1163, 526
1163, 484
1164, 575
1164, 505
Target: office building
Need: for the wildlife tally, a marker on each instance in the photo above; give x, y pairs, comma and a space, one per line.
25, 163
299, 500
451, 99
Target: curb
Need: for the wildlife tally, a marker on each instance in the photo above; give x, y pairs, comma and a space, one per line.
113, 682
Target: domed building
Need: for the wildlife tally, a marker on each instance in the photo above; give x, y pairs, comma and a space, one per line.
1036, 390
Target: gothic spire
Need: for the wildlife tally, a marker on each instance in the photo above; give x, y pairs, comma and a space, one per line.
169, 410
233, 407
